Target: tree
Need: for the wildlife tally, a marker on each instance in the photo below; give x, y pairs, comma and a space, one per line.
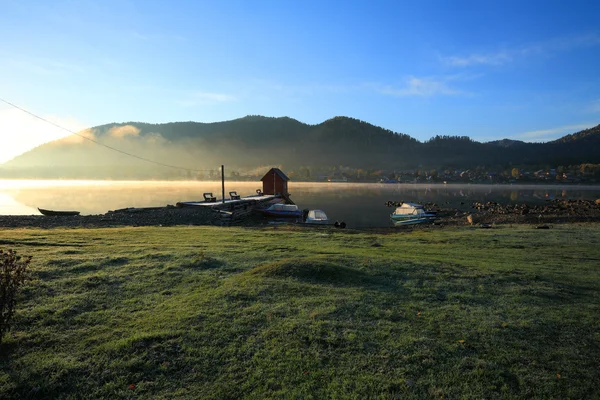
515, 173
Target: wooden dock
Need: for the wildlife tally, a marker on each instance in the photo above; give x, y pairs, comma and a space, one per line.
232, 209
220, 204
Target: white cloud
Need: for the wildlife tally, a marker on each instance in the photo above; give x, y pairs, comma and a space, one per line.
204, 98
20, 132
259, 90
419, 87
544, 48
155, 138
474, 59
122, 131
544, 135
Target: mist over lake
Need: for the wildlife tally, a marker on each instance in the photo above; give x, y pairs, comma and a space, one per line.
359, 205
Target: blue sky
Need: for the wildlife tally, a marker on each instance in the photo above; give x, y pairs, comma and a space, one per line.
525, 70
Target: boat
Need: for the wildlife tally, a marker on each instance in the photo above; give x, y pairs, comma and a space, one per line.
139, 209
282, 210
317, 217
54, 213
411, 213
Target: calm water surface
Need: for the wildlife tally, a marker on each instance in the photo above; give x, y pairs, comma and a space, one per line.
359, 205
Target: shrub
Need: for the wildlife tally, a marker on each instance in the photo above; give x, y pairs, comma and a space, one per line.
13, 273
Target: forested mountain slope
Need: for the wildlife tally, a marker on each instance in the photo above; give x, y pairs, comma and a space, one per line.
253, 141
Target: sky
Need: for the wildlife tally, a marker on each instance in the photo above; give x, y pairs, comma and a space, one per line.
525, 70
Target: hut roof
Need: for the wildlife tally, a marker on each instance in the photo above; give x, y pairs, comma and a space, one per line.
276, 171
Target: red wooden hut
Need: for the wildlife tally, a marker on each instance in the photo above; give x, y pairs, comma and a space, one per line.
275, 182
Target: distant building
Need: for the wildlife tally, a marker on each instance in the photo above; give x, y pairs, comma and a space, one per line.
338, 179
275, 182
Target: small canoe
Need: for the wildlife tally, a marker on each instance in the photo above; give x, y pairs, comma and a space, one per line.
54, 213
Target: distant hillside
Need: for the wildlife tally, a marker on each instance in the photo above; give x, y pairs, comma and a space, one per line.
253, 141
507, 143
591, 135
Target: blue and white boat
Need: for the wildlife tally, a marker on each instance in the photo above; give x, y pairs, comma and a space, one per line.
282, 210
411, 213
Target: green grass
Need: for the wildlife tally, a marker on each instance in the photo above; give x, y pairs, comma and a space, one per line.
202, 312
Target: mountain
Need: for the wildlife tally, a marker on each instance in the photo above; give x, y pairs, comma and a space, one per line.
254, 141
590, 135
506, 143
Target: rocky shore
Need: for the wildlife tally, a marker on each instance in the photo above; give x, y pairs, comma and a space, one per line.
490, 213
553, 211
167, 216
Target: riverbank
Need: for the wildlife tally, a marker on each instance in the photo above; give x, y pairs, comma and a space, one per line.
211, 312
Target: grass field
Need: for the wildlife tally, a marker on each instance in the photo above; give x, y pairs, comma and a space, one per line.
202, 312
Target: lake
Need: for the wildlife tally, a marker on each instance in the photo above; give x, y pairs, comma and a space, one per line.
357, 204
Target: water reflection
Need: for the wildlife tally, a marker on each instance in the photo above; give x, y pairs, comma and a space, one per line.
359, 205
9, 206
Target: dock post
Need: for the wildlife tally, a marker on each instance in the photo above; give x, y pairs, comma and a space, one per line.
223, 183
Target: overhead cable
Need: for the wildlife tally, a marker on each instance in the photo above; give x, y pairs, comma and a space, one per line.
102, 144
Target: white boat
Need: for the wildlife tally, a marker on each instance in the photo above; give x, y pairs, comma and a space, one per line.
316, 217
411, 213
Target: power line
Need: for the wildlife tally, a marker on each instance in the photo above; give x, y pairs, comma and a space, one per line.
102, 144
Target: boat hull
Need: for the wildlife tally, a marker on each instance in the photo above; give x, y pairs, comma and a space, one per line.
412, 221
281, 210
317, 221
423, 217
54, 213
281, 214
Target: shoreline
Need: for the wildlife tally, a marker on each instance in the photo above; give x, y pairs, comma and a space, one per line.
490, 213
